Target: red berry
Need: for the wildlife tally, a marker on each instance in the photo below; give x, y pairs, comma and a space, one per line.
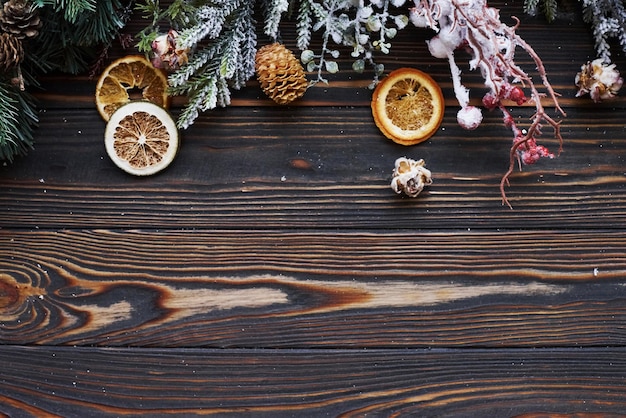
490, 101
517, 95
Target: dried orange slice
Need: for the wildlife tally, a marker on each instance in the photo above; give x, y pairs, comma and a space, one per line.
408, 106
126, 77
141, 138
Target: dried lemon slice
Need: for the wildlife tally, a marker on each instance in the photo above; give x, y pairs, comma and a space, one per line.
141, 138
408, 106
122, 77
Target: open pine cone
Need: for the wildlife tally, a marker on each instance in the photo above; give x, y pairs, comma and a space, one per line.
20, 18
280, 73
11, 52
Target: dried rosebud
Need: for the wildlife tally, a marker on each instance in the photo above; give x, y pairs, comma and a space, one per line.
167, 54
600, 79
410, 176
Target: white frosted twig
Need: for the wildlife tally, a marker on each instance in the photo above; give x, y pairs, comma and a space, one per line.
472, 25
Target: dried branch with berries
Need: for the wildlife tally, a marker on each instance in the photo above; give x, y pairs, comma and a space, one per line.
472, 25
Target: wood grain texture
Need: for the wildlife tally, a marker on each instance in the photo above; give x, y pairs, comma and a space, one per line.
272, 272
313, 288
78, 382
323, 163
237, 170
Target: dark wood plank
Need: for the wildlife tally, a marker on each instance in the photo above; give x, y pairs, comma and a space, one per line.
76, 382
270, 271
324, 167
323, 163
312, 288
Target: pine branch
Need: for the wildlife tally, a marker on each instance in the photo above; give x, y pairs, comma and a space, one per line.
531, 6
72, 30
19, 118
211, 20
71, 9
274, 10
227, 60
607, 19
222, 36
69, 45
304, 24
548, 8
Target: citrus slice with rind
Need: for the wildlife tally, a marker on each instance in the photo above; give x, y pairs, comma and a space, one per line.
408, 106
119, 81
141, 138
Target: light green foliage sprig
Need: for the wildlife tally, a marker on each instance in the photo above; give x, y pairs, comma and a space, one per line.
367, 27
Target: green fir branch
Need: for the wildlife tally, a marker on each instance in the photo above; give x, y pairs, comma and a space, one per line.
18, 121
273, 10
71, 9
69, 45
72, 31
549, 8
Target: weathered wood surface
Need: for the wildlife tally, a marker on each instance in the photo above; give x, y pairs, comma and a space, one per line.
271, 271
78, 382
313, 288
316, 167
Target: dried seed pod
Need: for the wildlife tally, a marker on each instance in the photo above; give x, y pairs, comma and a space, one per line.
20, 18
167, 54
601, 80
11, 52
280, 73
410, 176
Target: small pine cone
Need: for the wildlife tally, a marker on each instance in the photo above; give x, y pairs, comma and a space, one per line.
20, 18
11, 52
280, 73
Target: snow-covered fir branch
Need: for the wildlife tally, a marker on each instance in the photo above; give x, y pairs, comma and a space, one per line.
216, 40
220, 38
607, 19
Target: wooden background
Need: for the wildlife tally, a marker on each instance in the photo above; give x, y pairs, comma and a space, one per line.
271, 271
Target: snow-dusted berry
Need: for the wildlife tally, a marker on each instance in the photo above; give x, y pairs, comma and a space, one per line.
469, 117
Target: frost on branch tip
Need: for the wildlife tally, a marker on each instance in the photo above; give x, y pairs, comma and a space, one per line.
475, 27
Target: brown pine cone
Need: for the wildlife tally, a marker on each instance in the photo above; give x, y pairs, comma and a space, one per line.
11, 52
280, 73
20, 18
